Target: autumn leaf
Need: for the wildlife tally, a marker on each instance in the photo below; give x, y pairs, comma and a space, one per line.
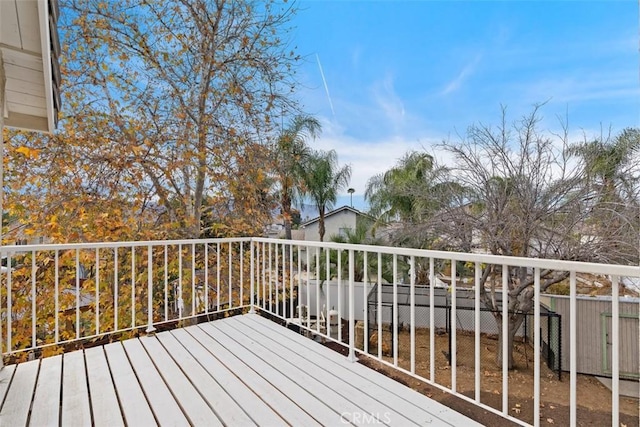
29, 153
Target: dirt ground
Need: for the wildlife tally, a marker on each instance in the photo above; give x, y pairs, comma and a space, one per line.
594, 399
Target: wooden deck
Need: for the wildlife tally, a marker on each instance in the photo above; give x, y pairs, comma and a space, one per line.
244, 370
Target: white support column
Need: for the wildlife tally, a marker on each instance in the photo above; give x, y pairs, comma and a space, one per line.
2, 87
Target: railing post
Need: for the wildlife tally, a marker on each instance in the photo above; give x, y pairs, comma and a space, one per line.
352, 329
3, 81
252, 285
150, 328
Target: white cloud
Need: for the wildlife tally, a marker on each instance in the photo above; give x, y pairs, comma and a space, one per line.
388, 101
367, 157
462, 76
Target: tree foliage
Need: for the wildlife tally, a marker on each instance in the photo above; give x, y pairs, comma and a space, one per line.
515, 190
323, 179
169, 109
290, 158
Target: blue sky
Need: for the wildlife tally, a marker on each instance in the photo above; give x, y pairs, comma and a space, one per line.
407, 74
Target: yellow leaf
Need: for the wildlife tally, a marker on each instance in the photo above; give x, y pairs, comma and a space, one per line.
29, 153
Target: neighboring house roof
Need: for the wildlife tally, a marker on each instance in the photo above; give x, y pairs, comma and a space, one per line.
333, 212
30, 51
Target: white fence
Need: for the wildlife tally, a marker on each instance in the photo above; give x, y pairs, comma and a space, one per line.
53, 295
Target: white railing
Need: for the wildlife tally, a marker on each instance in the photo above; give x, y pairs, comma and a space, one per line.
318, 278
56, 295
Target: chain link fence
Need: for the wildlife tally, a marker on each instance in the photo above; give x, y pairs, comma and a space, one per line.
380, 315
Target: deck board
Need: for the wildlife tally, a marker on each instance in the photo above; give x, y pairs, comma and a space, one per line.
271, 395
135, 408
243, 370
237, 390
162, 403
228, 410
104, 402
6, 375
385, 389
193, 404
75, 394
340, 396
18, 398
348, 387
315, 407
46, 401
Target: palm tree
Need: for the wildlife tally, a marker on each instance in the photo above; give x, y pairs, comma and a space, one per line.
324, 179
290, 155
404, 192
605, 162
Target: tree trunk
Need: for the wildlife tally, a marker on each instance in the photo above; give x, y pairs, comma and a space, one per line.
286, 215
321, 226
515, 321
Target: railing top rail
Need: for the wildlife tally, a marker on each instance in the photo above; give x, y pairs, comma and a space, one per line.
66, 246
543, 263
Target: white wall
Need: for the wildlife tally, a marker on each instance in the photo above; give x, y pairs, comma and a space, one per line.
329, 294
332, 225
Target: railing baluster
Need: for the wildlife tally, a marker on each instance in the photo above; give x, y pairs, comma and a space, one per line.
277, 280
318, 314
365, 301
340, 311
133, 286
115, 289
77, 293
453, 327
394, 320
33, 300
327, 257
299, 280
206, 278
166, 283
573, 349
230, 287
193, 281
150, 327
290, 280
264, 277
478, 277
270, 279
258, 275
505, 340
536, 347
241, 275
352, 311
56, 286
252, 288
308, 318
432, 322
179, 300
615, 352
218, 276
412, 308
97, 291
379, 308
9, 305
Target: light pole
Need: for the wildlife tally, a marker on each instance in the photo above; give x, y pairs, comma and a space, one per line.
351, 191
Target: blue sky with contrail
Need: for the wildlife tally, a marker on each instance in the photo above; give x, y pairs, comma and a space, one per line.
408, 74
